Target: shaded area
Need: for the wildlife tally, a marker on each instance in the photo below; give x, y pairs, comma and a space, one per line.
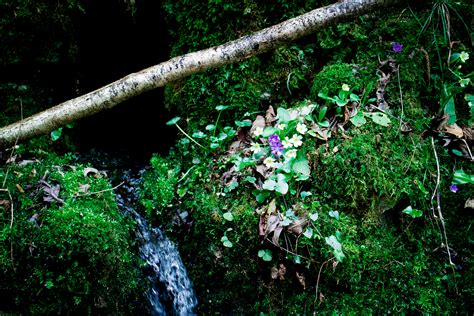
113, 43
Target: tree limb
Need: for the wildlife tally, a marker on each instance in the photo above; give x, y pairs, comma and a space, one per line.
183, 66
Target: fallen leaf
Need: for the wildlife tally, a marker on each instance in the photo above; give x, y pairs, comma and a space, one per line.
276, 235
271, 207
51, 192
272, 223
262, 225
5, 203
270, 116
297, 226
27, 162
405, 127
453, 130
274, 273
84, 188
300, 277
89, 170
19, 188
263, 170
259, 122
469, 203
234, 147
281, 271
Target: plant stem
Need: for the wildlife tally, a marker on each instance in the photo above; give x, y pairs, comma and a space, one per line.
438, 206
192, 139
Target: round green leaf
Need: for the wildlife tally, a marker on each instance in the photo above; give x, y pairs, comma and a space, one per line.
228, 216
173, 121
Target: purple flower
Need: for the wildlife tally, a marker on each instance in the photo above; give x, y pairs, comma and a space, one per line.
397, 47
275, 145
454, 188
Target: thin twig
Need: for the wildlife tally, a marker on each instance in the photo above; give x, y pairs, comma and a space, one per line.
101, 191
401, 96
468, 149
286, 250
438, 202
319, 277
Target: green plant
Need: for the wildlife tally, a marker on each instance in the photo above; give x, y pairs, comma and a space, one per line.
159, 186
68, 248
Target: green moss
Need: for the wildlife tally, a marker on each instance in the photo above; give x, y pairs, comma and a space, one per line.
159, 187
72, 256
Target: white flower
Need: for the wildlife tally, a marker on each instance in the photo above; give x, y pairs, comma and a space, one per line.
296, 140
301, 128
255, 147
258, 131
269, 162
281, 126
291, 153
346, 87
464, 82
464, 56
287, 143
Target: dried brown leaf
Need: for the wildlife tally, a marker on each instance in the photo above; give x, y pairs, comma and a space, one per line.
274, 273
453, 130
270, 116
259, 122
263, 170
19, 188
281, 271
276, 235
272, 224
84, 188
89, 170
469, 203
271, 207
297, 226
301, 279
262, 225
405, 127
234, 147
5, 203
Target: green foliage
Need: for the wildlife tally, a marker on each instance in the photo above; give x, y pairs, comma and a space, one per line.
159, 186
359, 211
330, 79
69, 248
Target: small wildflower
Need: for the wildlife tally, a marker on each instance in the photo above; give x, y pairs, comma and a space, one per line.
397, 47
275, 145
281, 126
287, 143
464, 82
345, 87
255, 147
258, 131
454, 188
301, 128
291, 153
296, 140
464, 56
269, 162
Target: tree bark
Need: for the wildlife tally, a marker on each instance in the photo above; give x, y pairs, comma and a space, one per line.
183, 66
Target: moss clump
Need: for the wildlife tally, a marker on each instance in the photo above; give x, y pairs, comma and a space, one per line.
69, 249
159, 187
330, 79
373, 171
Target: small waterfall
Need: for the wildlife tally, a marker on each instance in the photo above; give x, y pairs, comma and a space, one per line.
171, 291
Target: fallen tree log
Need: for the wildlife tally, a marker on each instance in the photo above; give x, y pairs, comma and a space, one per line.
183, 66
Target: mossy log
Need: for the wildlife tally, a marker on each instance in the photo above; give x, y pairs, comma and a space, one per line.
182, 66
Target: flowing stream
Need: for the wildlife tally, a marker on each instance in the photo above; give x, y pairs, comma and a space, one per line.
171, 291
